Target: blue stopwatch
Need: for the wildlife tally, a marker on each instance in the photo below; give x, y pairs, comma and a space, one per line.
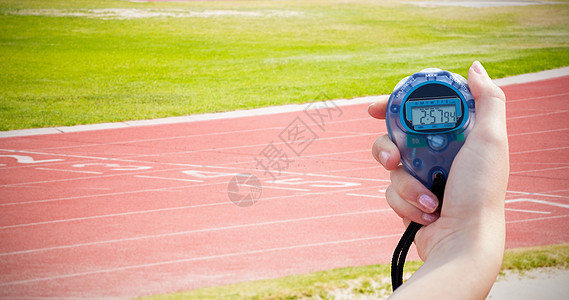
428, 116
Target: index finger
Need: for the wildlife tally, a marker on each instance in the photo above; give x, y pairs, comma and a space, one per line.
377, 109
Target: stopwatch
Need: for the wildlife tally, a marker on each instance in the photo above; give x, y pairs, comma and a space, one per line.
428, 116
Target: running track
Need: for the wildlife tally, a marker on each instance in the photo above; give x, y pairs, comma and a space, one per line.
134, 211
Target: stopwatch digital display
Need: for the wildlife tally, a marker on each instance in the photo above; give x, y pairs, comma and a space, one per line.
432, 114
429, 115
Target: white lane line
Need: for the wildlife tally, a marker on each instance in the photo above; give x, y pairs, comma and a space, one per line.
275, 143
333, 154
21, 159
538, 115
27, 187
201, 258
177, 168
539, 150
94, 196
158, 236
70, 171
105, 216
540, 163
220, 149
547, 194
236, 170
528, 211
169, 178
364, 195
177, 208
123, 159
284, 188
537, 98
232, 132
538, 132
539, 201
539, 170
536, 219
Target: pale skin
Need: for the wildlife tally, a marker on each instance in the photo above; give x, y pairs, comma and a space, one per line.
463, 248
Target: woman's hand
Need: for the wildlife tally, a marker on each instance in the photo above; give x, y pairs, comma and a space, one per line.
471, 225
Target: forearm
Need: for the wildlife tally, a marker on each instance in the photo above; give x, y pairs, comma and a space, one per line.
463, 266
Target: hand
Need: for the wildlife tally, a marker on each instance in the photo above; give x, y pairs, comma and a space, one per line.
471, 225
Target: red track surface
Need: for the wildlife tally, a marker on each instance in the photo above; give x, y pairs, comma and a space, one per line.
129, 212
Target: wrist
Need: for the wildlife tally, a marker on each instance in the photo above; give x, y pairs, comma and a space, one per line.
462, 266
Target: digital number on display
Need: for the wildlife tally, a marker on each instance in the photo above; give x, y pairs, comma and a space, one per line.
433, 114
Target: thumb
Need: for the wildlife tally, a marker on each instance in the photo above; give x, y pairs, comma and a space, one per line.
483, 161
490, 104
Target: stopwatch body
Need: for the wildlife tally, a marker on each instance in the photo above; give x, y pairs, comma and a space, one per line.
428, 116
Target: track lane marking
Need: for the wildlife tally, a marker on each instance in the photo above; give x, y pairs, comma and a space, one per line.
538, 132
201, 258
538, 115
537, 98
70, 171
195, 135
176, 208
538, 201
539, 150
215, 150
183, 187
364, 195
528, 211
168, 178
544, 194
539, 170
285, 188
237, 170
157, 236
536, 219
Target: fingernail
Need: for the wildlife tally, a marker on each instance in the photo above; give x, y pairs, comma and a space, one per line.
478, 68
430, 218
384, 157
370, 107
428, 202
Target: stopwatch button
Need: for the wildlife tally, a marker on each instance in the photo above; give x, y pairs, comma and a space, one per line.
394, 108
437, 142
417, 163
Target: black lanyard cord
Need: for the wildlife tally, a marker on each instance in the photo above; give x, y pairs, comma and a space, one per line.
400, 254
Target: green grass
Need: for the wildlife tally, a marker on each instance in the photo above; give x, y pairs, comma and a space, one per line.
78, 70
374, 280
525, 259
